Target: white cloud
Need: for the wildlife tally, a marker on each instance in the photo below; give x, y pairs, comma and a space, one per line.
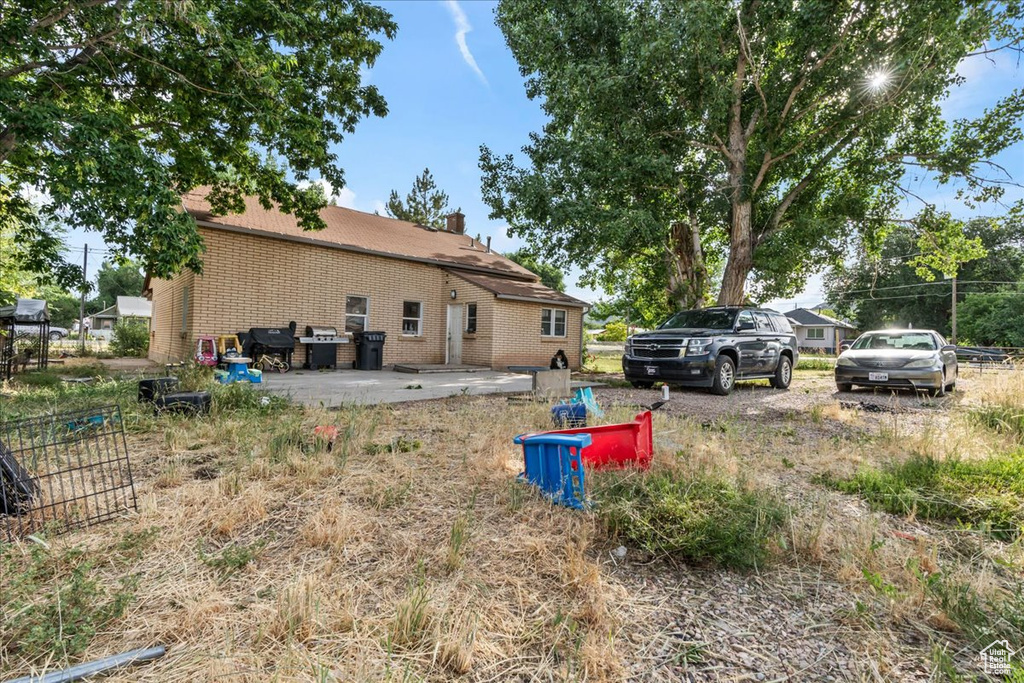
380, 207
462, 27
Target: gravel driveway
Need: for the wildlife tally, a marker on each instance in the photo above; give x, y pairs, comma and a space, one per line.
786, 622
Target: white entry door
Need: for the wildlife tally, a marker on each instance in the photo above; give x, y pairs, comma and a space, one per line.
454, 352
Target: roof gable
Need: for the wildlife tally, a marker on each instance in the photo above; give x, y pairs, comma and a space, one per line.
803, 316
362, 232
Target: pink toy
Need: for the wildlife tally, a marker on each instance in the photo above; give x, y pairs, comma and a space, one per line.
206, 350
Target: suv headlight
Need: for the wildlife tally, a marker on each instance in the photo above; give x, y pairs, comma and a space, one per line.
698, 346
629, 346
845, 361
921, 363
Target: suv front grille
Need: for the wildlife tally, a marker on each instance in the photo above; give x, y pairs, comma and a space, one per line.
666, 349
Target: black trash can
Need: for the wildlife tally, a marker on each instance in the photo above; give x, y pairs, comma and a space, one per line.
369, 350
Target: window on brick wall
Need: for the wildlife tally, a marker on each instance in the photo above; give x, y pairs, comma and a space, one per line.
552, 322
470, 318
357, 313
815, 332
412, 318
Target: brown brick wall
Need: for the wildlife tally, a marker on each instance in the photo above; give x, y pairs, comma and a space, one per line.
167, 340
518, 340
252, 281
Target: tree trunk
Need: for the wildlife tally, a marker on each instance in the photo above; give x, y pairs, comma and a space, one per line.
687, 271
741, 257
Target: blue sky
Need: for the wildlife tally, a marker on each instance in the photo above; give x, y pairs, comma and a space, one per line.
451, 85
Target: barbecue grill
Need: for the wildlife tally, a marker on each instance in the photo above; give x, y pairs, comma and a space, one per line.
322, 346
279, 341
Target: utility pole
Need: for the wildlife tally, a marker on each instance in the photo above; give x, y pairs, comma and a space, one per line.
81, 302
953, 339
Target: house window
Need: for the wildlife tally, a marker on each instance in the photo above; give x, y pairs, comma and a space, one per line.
815, 332
184, 309
470, 318
552, 322
412, 318
357, 309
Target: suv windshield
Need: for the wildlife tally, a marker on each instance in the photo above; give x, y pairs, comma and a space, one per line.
920, 341
706, 319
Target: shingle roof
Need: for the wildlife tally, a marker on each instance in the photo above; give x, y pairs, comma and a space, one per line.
518, 290
803, 316
358, 231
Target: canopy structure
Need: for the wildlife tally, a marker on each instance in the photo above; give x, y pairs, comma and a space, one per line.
24, 336
26, 311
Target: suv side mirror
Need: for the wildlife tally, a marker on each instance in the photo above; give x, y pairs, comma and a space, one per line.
745, 325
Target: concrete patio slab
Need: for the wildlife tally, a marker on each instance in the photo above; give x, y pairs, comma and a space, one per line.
337, 387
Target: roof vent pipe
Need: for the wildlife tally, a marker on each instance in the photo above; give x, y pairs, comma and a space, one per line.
488, 244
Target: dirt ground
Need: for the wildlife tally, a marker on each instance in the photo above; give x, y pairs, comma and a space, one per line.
536, 592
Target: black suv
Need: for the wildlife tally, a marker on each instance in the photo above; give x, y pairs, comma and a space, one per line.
713, 347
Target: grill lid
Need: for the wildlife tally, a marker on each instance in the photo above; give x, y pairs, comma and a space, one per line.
272, 337
321, 331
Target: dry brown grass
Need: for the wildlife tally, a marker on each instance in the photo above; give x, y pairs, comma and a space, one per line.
370, 563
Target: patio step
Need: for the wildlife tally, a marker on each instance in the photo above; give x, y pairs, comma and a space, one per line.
429, 368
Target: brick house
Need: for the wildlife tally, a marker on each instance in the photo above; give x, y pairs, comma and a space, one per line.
441, 296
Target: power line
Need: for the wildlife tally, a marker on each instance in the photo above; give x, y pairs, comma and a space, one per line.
932, 284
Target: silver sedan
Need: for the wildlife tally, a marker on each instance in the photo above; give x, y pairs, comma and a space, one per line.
908, 359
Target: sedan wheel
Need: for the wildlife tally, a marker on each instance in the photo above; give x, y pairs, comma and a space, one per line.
941, 389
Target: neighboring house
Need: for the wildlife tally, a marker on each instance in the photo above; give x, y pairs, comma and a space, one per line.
817, 332
441, 296
101, 325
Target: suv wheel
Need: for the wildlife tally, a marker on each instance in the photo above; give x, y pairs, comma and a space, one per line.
56, 336
783, 374
725, 376
844, 386
641, 385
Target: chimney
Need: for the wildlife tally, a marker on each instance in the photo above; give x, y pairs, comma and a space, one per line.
488, 244
456, 223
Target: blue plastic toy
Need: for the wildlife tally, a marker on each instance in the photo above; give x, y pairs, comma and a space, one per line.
585, 396
554, 463
569, 415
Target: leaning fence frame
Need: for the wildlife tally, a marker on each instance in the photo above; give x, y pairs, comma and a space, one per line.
78, 465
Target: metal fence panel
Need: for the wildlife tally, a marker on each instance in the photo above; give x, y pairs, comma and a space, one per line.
63, 471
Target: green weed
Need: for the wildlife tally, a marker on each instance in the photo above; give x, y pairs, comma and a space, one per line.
54, 602
984, 494
699, 518
399, 445
233, 557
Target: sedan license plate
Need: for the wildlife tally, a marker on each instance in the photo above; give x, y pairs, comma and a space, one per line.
651, 369
878, 376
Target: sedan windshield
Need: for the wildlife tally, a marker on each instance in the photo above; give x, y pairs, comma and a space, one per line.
911, 341
702, 319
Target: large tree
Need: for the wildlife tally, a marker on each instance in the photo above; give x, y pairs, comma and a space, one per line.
892, 284
550, 275
425, 204
114, 280
758, 132
113, 108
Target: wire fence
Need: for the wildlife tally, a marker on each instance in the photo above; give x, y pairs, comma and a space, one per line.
63, 471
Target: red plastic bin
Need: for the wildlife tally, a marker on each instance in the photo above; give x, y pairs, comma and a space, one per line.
630, 444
